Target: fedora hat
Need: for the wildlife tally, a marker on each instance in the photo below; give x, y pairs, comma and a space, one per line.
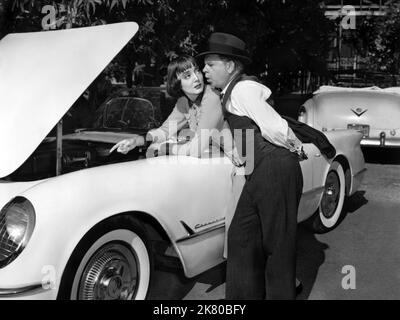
228, 45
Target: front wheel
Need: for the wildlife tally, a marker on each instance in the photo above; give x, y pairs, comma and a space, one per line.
112, 262
330, 208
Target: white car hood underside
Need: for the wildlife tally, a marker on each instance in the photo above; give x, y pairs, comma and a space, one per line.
42, 74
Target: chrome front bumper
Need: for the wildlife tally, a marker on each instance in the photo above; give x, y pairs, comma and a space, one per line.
22, 291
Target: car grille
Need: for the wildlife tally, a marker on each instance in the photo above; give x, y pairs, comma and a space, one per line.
7, 247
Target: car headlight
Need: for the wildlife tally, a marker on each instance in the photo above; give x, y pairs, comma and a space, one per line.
17, 221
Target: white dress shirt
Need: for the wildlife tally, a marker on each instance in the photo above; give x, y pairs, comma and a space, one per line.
248, 98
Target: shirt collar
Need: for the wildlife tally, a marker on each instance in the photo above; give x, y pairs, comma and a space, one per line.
227, 85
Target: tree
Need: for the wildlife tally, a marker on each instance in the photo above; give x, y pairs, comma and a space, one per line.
28, 16
296, 38
283, 36
381, 39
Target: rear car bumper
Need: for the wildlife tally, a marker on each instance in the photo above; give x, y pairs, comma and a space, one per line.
382, 141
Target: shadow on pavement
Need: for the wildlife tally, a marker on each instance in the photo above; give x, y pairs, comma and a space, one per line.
381, 155
310, 256
171, 283
351, 205
310, 251
354, 202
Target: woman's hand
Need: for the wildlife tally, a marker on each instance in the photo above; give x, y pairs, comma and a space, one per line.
158, 149
126, 145
152, 151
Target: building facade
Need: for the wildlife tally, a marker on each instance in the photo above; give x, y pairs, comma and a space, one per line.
345, 59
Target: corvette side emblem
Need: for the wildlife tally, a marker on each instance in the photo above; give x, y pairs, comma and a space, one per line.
359, 112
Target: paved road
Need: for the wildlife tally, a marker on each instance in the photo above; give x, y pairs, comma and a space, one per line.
367, 239
366, 243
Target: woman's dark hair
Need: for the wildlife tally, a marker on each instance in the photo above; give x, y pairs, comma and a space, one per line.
176, 66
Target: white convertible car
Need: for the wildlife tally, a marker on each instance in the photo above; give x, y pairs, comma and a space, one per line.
88, 227
373, 111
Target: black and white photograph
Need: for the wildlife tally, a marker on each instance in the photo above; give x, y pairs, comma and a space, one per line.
209, 150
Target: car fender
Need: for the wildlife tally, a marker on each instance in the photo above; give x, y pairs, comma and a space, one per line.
68, 206
309, 107
347, 144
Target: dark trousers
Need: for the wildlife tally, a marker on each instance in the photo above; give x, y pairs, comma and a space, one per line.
262, 236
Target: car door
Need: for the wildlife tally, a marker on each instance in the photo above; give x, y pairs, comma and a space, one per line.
209, 188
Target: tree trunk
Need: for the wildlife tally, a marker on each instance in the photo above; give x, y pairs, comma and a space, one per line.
128, 74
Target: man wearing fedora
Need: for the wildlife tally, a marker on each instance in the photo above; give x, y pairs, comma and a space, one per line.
262, 235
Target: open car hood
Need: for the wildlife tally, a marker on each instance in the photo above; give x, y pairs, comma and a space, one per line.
42, 74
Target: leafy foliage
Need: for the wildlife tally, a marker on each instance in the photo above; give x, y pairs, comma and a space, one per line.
381, 37
283, 36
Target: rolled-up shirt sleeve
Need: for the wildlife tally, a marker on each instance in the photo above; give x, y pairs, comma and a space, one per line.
248, 98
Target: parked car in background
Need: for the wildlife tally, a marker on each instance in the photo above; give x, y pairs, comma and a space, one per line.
80, 223
126, 111
373, 111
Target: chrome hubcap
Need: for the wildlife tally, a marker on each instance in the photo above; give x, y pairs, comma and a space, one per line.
330, 198
111, 274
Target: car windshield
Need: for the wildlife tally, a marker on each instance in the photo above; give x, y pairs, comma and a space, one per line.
127, 112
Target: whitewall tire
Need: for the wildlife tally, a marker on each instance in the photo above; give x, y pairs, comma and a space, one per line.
330, 208
112, 262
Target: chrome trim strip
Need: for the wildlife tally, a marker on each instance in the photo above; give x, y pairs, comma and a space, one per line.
189, 230
359, 172
197, 234
376, 142
222, 225
315, 190
19, 291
